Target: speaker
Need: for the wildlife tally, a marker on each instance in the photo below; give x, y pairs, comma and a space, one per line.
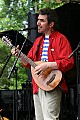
32, 34
32, 22
22, 99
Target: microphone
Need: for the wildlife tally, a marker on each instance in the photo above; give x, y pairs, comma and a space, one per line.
29, 28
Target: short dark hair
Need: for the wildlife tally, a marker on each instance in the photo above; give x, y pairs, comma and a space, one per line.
51, 16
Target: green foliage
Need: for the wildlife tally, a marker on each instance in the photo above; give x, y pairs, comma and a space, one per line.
52, 4
14, 13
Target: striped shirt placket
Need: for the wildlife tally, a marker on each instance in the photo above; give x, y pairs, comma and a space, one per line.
44, 56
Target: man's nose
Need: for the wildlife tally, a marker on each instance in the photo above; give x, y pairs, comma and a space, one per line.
38, 22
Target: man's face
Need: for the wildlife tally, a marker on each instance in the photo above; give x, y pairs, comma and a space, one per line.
43, 26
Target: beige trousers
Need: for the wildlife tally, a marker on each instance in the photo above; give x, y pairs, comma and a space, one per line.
47, 104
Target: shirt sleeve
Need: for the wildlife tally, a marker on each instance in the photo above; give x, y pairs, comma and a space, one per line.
64, 50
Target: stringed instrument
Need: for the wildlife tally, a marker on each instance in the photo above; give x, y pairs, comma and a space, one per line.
46, 80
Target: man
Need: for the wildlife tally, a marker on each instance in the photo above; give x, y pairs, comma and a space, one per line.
53, 48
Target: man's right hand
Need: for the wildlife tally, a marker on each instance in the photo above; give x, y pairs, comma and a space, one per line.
15, 50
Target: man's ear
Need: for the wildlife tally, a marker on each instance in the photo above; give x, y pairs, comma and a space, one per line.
51, 24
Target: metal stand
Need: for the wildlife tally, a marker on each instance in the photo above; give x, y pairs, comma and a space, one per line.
78, 82
5, 65
12, 69
28, 84
15, 99
77, 50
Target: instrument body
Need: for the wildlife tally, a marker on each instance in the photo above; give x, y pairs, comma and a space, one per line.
48, 79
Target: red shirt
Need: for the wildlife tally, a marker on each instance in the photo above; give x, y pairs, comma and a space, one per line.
59, 50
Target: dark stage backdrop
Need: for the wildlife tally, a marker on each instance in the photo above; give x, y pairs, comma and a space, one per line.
69, 22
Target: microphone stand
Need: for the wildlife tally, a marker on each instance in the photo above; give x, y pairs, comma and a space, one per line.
12, 69
16, 59
78, 82
78, 76
5, 65
74, 51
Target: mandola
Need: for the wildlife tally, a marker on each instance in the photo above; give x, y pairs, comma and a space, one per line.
46, 80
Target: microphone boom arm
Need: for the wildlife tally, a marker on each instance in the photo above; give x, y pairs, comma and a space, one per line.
5, 65
74, 51
16, 59
29, 28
